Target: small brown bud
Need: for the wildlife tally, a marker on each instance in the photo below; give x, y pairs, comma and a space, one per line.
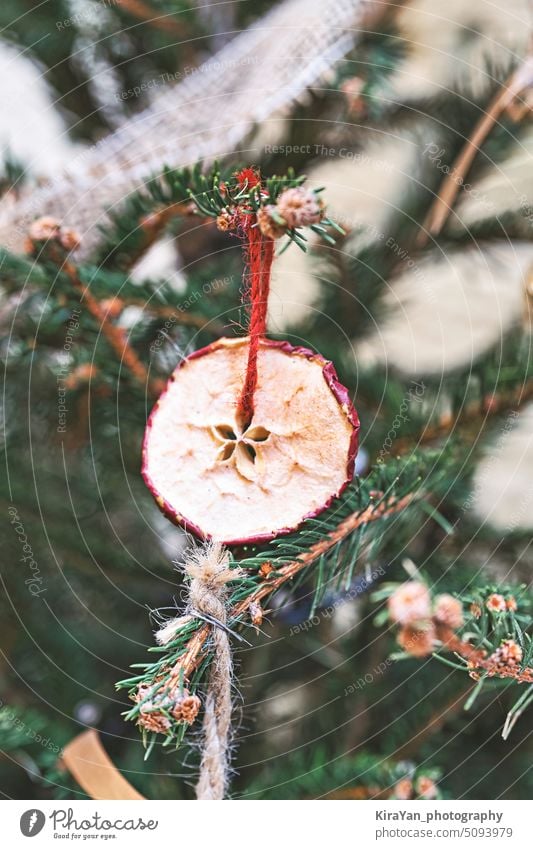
299, 207
265, 569
225, 221
403, 789
69, 238
417, 641
50, 229
186, 709
268, 226
508, 654
410, 603
158, 704
44, 228
448, 611
426, 787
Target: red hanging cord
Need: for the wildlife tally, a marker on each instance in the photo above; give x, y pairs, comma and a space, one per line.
259, 253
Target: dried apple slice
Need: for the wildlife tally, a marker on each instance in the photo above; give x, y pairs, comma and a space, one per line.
242, 482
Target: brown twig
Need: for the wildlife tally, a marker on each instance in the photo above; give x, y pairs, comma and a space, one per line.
116, 336
143, 11
196, 646
152, 225
469, 415
179, 316
442, 206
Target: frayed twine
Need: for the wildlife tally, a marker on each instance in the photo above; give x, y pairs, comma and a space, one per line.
208, 568
208, 563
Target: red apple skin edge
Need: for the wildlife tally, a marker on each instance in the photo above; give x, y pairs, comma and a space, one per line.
342, 396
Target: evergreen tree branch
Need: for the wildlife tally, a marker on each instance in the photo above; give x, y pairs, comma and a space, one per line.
193, 655
479, 663
326, 547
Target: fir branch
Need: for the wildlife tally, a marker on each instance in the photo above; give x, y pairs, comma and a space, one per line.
205, 194
316, 773
479, 663
492, 642
287, 572
332, 541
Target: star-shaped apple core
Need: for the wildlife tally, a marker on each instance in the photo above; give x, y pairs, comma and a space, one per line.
240, 445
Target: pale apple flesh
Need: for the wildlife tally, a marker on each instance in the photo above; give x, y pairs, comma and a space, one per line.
239, 482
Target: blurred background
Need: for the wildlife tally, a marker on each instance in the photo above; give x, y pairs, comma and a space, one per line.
420, 130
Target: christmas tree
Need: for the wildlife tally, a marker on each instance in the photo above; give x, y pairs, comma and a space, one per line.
358, 625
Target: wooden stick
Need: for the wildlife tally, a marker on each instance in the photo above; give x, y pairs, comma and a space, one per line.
442, 206
116, 336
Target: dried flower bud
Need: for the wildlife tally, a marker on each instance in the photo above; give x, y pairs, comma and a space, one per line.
426, 787
508, 654
403, 789
496, 603
417, 641
44, 228
154, 721
157, 706
299, 207
225, 221
69, 238
410, 603
186, 708
448, 611
269, 227
48, 228
475, 610
265, 569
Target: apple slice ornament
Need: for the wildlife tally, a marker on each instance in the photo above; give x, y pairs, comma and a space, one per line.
252, 436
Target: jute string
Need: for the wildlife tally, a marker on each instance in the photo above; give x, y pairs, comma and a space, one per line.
208, 568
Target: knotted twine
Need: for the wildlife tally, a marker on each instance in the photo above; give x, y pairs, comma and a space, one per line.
208, 569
